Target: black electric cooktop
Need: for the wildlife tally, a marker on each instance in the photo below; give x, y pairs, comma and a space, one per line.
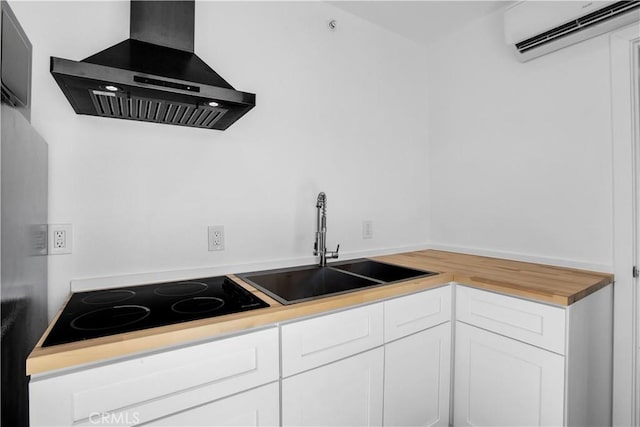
113, 311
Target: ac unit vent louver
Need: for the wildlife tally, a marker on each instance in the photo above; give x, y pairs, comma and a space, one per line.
594, 18
561, 24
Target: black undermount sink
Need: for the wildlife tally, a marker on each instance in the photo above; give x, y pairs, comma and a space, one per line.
298, 284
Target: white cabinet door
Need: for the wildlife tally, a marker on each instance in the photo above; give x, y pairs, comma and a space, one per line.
344, 393
503, 382
417, 379
257, 407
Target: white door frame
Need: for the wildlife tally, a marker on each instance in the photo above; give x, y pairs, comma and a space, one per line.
625, 215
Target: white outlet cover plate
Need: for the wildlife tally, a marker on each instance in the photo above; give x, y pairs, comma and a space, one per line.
64, 228
216, 237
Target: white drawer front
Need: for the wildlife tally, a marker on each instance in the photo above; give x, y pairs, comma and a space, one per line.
413, 313
531, 322
149, 387
259, 407
314, 342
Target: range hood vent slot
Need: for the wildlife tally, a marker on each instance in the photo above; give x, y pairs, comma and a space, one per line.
118, 106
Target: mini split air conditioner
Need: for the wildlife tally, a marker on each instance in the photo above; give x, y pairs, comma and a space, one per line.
535, 28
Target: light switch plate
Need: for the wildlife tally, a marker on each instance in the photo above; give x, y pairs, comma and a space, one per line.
367, 229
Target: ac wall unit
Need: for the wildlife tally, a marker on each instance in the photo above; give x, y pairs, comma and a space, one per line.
535, 28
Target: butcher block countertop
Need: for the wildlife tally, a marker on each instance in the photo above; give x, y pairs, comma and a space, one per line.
547, 284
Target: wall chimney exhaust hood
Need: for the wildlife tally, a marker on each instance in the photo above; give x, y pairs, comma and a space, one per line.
153, 76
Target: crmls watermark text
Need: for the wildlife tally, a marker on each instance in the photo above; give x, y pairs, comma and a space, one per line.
118, 418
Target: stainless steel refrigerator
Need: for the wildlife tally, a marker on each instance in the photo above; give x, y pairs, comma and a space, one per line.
23, 206
23, 270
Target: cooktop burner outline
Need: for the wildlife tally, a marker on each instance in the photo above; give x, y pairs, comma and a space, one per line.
197, 305
105, 318
180, 289
111, 296
100, 313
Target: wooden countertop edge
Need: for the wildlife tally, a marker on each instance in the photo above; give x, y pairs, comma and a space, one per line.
528, 293
79, 353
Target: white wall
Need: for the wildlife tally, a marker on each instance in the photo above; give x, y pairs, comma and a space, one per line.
520, 154
342, 112
518, 162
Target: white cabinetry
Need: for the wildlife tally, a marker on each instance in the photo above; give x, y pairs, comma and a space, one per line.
152, 387
519, 362
417, 378
418, 362
416, 312
333, 365
532, 322
333, 369
504, 382
320, 340
343, 393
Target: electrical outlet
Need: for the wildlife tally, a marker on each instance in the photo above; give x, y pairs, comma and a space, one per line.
59, 239
216, 237
367, 229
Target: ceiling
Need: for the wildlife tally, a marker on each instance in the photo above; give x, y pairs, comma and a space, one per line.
423, 21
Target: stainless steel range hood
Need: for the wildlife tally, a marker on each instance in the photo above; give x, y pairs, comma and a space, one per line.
154, 75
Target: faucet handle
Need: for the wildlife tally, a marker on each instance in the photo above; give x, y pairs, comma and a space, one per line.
335, 253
